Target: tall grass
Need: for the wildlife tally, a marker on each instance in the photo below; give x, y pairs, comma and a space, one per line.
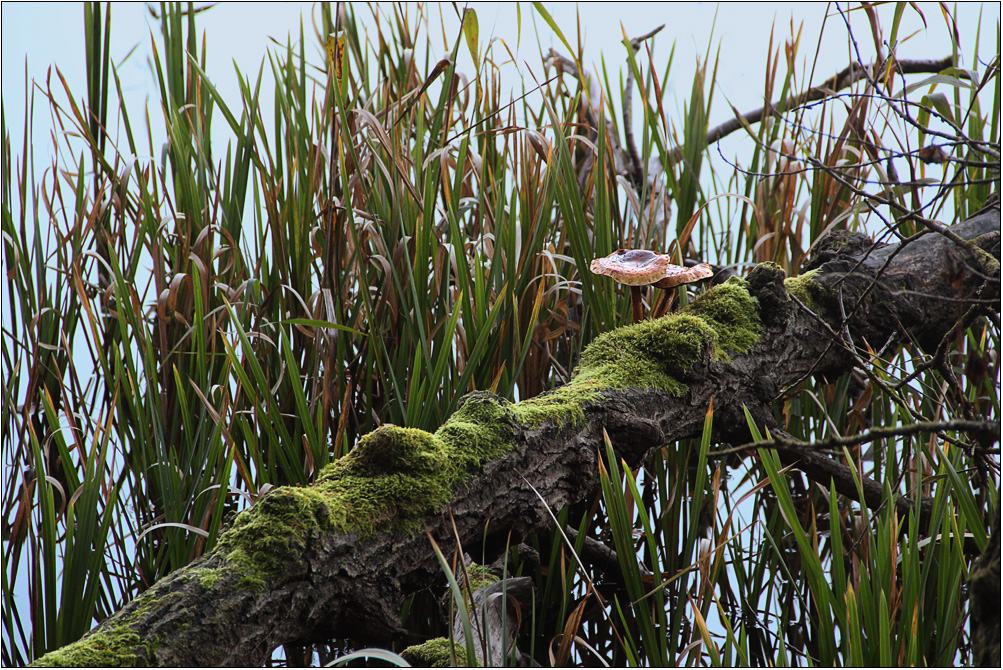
187, 331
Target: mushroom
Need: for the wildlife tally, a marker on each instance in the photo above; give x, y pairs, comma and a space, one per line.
640, 267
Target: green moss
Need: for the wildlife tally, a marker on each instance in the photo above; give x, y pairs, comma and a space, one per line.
391, 449
114, 647
209, 576
808, 290
116, 643
659, 353
478, 576
733, 314
563, 404
390, 502
479, 431
987, 263
650, 354
392, 479
435, 653
264, 537
396, 476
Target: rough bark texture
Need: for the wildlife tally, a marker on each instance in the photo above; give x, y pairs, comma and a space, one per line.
985, 589
323, 582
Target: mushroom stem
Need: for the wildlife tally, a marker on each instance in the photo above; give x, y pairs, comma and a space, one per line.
635, 303
661, 304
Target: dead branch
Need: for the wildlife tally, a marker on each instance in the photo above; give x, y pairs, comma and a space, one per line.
318, 579
841, 80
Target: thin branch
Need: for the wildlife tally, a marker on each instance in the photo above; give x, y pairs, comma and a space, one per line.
843, 79
628, 127
866, 73
871, 435
809, 458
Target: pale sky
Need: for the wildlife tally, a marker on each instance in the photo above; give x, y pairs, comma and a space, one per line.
239, 33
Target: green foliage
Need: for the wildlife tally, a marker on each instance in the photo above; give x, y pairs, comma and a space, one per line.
189, 331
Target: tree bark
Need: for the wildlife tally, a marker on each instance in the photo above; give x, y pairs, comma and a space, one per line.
322, 582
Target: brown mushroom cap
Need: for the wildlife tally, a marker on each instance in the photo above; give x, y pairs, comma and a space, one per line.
640, 267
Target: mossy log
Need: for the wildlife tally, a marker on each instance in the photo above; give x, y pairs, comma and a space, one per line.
336, 559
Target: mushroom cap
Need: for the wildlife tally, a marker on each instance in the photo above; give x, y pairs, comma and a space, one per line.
640, 267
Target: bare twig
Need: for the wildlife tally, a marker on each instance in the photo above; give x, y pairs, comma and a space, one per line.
843, 79
809, 458
628, 128
880, 433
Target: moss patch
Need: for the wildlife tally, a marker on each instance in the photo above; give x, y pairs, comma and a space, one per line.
435, 653
391, 479
479, 431
390, 449
808, 290
115, 644
650, 354
478, 576
395, 477
265, 536
209, 576
115, 647
563, 404
659, 353
733, 314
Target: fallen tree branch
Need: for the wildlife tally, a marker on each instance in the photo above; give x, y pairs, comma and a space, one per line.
336, 559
